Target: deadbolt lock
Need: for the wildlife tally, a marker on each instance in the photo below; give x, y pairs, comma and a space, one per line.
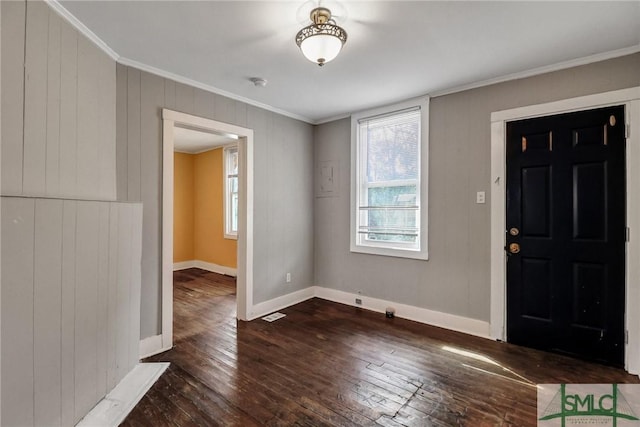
514, 248
514, 231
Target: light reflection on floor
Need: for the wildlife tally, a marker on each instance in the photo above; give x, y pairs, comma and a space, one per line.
482, 358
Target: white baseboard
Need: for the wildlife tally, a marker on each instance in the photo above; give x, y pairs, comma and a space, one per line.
115, 406
208, 266
453, 322
177, 266
275, 304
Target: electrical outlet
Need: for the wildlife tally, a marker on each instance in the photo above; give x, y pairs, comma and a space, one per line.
288, 277
359, 301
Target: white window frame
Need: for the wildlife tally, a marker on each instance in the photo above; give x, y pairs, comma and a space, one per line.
228, 233
386, 248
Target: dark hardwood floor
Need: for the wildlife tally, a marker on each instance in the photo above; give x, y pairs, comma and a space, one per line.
328, 364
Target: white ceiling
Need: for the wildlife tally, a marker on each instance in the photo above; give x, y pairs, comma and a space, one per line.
395, 50
194, 141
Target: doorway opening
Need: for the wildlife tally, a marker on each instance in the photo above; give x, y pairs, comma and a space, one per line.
205, 212
176, 122
630, 99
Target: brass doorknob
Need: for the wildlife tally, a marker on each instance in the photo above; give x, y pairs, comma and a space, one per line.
514, 248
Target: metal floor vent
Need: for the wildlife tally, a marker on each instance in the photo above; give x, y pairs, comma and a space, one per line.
273, 317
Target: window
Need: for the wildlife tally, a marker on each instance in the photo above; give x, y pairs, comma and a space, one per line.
231, 192
389, 186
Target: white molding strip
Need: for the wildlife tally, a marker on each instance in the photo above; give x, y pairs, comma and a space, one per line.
183, 265
115, 406
453, 322
278, 303
567, 105
585, 60
186, 80
208, 266
215, 268
82, 29
151, 346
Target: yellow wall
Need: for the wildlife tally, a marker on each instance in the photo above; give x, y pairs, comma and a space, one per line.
209, 242
198, 231
183, 191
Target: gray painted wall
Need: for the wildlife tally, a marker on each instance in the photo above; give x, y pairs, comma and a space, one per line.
70, 268
283, 182
456, 277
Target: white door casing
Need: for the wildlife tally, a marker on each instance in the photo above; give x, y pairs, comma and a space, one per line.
244, 284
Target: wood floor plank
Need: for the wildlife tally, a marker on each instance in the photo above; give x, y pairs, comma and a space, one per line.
328, 364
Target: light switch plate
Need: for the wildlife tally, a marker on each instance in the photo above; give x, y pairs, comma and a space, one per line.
480, 197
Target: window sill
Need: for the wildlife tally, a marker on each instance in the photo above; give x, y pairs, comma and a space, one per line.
231, 236
390, 252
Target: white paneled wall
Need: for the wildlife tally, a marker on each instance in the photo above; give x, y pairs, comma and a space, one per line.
58, 106
71, 255
70, 305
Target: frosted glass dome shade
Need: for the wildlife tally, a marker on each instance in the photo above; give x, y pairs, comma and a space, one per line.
321, 41
321, 48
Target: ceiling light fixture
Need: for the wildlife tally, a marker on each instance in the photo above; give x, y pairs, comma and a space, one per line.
321, 41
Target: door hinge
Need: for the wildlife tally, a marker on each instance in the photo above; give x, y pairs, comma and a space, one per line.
627, 130
627, 234
626, 337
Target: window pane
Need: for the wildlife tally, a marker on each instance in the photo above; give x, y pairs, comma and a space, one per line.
390, 202
234, 212
232, 161
392, 214
231, 190
392, 148
392, 196
388, 194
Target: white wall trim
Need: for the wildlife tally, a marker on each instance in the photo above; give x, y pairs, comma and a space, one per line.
151, 345
631, 99
597, 100
215, 268
183, 265
453, 322
585, 60
82, 29
208, 266
115, 406
284, 301
244, 290
186, 80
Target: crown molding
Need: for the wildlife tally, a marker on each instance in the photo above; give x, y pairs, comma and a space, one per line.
181, 79
83, 29
585, 60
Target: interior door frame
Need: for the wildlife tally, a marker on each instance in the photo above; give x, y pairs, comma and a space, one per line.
630, 98
244, 281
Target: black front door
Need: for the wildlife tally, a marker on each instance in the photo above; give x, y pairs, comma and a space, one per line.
565, 234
